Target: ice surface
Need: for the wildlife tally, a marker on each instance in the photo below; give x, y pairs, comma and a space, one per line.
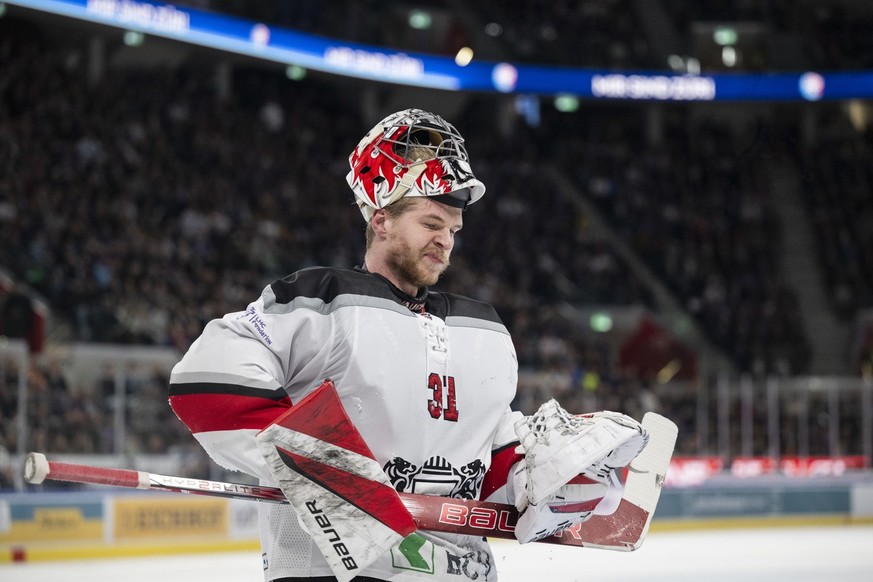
837, 553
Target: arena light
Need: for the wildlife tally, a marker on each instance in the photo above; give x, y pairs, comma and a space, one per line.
419, 19
566, 103
600, 321
464, 56
493, 29
528, 106
133, 38
729, 56
295, 72
725, 36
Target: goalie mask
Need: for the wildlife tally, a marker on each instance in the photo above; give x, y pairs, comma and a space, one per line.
412, 153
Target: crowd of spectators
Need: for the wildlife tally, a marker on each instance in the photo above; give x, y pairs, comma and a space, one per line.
838, 180
117, 213
602, 34
145, 204
696, 207
605, 33
66, 415
833, 35
592, 33
371, 22
119, 216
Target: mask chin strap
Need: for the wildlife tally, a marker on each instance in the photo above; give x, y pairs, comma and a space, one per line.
405, 184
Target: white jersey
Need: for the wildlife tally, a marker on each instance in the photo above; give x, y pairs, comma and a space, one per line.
427, 381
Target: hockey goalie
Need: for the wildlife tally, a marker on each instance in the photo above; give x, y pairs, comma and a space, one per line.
423, 382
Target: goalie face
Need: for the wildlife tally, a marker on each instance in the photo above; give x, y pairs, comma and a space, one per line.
412, 153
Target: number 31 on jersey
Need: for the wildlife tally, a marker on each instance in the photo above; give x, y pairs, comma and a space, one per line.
442, 387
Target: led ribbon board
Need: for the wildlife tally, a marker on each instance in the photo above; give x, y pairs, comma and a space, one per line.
361, 61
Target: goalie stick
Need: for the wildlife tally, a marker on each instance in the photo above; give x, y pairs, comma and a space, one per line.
624, 530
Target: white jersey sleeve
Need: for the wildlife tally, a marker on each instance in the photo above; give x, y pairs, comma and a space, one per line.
232, 381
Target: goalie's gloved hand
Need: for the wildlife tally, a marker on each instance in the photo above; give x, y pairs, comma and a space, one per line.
569, 463
572, 504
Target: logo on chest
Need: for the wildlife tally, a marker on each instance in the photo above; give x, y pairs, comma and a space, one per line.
436, 476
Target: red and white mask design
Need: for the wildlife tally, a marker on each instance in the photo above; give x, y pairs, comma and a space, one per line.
411, 153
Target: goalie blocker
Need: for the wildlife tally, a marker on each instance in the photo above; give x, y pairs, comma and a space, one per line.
340, 494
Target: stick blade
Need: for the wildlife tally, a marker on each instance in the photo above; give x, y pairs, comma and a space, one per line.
647, 472
627, 528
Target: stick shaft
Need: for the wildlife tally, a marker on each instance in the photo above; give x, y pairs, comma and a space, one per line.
441, 514
76, 473
431, 513
98, 475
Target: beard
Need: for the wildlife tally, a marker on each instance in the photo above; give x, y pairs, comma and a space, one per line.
413, 266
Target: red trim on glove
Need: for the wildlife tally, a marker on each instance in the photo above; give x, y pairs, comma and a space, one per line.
575, 507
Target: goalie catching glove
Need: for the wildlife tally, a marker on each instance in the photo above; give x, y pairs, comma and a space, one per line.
568, 472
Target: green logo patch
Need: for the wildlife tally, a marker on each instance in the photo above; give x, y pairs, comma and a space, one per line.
414, 553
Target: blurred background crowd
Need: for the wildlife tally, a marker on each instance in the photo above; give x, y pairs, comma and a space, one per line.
141, 203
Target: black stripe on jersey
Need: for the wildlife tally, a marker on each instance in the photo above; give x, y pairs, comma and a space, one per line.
184, 389
326, 283
459, 306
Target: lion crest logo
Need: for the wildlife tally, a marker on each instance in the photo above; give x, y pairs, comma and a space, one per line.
436, 476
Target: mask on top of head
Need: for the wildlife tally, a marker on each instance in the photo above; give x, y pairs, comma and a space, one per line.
412, 153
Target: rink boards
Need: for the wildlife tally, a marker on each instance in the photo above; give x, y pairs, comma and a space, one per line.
104, 522
45, 526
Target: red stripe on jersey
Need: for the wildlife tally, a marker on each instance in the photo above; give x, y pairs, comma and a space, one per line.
210, 412
501, 463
